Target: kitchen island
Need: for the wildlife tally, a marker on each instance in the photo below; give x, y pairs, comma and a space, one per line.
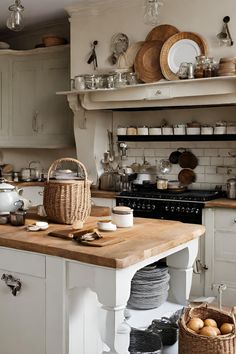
72, 297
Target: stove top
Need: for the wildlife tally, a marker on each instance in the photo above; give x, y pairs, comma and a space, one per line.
191, 195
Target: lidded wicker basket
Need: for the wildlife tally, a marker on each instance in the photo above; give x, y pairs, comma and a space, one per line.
190, 342
67, 201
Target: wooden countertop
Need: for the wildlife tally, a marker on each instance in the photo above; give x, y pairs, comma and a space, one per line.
95, 193
221, 203
147, 238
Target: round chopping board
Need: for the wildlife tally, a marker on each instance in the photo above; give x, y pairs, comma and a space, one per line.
147, 62
186, 177
188, 160
161, 33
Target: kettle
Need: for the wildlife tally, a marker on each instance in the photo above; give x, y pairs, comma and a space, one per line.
231, 188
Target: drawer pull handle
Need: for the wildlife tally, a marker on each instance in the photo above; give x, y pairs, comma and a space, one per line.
235, 220
158, 92
13, 283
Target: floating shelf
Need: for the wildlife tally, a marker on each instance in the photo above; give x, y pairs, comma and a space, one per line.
220, 137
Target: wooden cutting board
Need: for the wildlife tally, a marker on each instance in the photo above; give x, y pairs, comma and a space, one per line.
106, 240
147, 62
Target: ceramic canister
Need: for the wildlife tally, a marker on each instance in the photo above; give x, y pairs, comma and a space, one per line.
122, 216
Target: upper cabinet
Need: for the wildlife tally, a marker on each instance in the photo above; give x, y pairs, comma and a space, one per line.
179, 93
35, 116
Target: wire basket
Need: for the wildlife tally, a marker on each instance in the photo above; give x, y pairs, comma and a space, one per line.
190, 342
67, 201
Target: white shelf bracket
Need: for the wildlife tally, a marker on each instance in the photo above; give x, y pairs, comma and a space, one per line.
78, 110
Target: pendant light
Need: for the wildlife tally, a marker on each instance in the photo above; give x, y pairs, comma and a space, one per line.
15, 19
152, 11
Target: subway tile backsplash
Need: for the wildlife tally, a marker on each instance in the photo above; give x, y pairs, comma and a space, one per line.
216, 159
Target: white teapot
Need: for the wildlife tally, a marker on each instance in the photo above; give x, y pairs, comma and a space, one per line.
10, 199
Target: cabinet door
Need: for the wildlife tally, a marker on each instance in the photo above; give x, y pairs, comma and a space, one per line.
25, 114
22, 317
55, 115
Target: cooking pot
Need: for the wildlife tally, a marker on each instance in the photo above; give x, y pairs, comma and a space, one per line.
10, 199
231, 188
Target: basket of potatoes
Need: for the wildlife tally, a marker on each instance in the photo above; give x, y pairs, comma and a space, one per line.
206, 330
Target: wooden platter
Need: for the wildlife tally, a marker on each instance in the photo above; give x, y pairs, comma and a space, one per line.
181, 47
161, 33
147, 62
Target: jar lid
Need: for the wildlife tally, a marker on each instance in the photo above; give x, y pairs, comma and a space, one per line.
122, 210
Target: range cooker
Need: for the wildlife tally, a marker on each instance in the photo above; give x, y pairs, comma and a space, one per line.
183, 206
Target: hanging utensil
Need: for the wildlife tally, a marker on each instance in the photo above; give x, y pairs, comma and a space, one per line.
164, 166
186, 177
175, 155
188, 160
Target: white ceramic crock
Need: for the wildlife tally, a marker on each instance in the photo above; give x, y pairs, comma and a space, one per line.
122, 216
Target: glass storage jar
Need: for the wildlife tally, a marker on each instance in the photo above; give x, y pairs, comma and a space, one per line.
199, 66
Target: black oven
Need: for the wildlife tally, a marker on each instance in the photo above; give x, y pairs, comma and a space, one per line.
182, 206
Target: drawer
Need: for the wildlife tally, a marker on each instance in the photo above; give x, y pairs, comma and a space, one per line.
225, 219
22, 262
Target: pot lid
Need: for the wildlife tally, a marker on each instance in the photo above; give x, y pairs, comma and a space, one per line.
5, 186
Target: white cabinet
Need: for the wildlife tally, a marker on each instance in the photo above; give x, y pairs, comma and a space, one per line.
22, 325
220, 253
38, 117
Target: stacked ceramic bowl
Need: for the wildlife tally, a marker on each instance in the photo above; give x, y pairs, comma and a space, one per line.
149, 287
227, 67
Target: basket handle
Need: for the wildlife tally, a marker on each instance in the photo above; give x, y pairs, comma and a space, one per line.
68, 159
233, 313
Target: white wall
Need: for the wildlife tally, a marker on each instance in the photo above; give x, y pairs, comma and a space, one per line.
204, 17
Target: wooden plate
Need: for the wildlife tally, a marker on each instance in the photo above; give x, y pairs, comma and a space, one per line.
147, 62
188, 160
161, 33
181, 47
186, 177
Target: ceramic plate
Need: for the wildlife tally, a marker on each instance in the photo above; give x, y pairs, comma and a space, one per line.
184, 50
181, 47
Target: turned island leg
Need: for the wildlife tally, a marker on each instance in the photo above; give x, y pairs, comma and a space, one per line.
180, 266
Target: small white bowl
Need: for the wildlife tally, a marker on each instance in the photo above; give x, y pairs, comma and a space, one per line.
106, 226
231, 129
43, 225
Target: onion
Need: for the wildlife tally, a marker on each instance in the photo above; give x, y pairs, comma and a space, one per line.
226, 328
209, 322
195, 324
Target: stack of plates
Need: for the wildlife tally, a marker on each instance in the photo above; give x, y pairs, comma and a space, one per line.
149, 288
227, 67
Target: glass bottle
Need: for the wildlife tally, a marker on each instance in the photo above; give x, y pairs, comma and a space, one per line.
208, 68
199, 66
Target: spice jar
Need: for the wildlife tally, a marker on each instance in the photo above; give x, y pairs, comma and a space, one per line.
199, 66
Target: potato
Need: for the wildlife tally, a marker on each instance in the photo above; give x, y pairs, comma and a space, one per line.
208, 331
226, 328
209, 322
195, 324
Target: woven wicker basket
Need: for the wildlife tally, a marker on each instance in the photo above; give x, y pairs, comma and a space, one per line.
193, 343
67, 201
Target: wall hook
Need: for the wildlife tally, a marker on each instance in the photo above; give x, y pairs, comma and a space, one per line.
93, 56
